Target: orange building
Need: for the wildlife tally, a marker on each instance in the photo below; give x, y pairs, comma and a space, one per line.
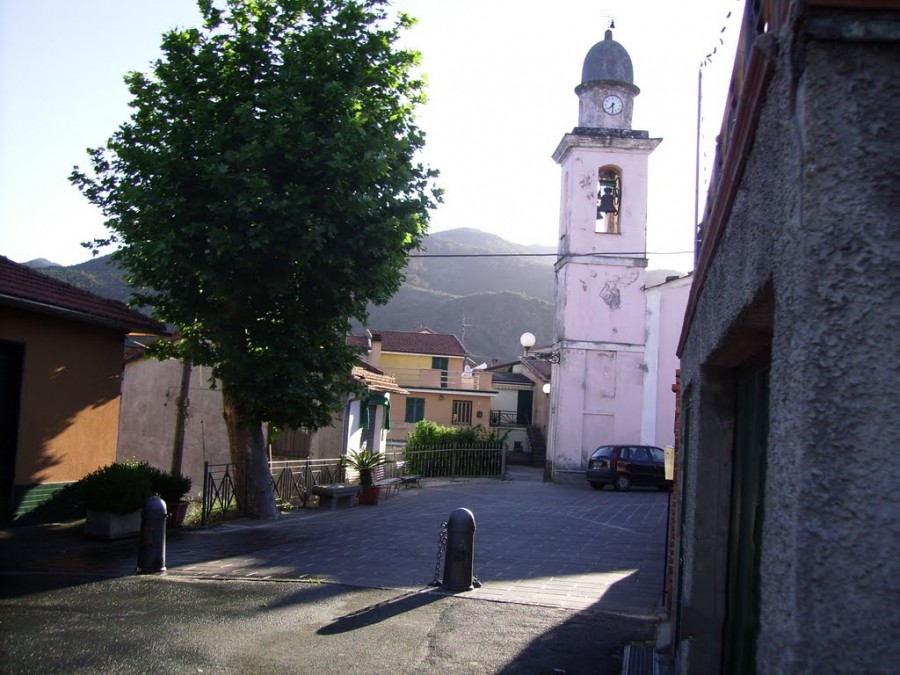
60, 374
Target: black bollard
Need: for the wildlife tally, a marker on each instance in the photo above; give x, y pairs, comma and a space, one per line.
459, 560
152, 547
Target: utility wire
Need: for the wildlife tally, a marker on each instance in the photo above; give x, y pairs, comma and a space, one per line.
542, 255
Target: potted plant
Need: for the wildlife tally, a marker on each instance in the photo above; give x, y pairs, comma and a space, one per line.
364, 461
114, 496
171, 487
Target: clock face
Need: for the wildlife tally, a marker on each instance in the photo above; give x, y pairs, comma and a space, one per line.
612, 104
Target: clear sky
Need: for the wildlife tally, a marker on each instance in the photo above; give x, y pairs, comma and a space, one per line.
501, 75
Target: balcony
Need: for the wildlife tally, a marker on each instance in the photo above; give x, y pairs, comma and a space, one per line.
431, 378
508, 418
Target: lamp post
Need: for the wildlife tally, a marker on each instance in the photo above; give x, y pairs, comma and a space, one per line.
527, 341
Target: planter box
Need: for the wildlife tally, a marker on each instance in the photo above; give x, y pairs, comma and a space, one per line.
106, 525
175, 513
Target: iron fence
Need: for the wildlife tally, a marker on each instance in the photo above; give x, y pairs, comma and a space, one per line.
219, 489
487, 460
294, 478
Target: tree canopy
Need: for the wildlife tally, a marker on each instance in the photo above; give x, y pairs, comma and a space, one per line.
266, 189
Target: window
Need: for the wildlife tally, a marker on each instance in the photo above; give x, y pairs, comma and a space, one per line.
441, 363
609, 194
462, 412
415, 410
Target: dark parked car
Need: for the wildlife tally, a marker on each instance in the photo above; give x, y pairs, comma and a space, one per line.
627, 465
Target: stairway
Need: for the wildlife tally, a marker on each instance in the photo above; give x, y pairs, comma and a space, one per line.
538, 445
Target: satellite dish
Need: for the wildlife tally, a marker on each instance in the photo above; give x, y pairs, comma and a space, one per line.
483, 366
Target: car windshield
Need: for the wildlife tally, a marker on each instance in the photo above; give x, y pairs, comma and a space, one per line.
605, 451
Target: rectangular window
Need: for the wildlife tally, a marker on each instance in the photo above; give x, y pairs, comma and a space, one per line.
441, 363
462, 412
415, 410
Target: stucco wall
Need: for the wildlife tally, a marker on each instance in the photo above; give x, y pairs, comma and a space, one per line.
147, 422
70, 396
812, 257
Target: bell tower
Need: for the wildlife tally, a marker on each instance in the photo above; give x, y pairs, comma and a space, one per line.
600, 319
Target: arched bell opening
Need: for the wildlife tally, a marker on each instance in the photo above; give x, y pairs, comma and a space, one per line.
609, 196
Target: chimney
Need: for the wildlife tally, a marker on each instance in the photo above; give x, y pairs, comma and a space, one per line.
375, 350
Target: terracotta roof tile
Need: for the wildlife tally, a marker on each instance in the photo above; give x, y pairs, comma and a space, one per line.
375, 379
28, 289
441, 344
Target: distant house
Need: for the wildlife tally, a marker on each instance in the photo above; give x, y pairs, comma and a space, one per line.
522, 408
441, 385
60, 383
787, 543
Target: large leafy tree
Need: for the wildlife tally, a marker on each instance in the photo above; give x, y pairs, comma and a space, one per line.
265, 190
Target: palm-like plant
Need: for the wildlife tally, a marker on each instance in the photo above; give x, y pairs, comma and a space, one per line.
364, 461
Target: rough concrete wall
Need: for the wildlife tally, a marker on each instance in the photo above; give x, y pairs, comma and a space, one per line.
837, 374
815, 220
147, 420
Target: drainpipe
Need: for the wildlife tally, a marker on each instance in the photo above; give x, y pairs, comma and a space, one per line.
181, 405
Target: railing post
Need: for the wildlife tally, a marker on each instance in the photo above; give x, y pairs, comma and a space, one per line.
502, 451
204, 497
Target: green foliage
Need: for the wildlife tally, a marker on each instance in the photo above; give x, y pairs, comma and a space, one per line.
428, 434
171, 487
265, 190
122, 487
119, 488
363, 459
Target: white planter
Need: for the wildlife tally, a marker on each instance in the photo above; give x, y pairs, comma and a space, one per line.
106, 525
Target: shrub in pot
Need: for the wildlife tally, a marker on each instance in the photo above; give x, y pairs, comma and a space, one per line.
171, 487
114, 496
364, 461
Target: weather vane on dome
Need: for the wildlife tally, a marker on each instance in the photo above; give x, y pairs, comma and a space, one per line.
606, 14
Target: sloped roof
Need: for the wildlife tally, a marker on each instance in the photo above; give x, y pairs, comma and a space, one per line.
375, 379
27, 289
517, 379
440, 344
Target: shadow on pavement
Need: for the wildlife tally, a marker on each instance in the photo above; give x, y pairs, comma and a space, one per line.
379, 612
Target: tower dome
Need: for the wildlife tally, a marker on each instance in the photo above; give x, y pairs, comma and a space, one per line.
606, 93
607, 60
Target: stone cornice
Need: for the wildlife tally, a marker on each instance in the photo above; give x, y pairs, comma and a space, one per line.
622, 140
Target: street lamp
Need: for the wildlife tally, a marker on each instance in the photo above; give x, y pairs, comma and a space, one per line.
527, 341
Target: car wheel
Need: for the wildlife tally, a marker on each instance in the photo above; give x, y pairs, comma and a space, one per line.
597, 486
623, 482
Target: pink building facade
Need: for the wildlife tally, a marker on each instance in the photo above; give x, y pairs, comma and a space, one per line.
615, 340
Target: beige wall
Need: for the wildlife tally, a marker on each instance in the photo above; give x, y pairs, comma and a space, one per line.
70, 396
147, 422
438, 408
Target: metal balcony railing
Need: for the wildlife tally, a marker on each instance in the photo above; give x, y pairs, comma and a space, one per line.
432, 378
509, 418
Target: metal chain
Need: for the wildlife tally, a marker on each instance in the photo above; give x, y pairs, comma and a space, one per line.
442, 545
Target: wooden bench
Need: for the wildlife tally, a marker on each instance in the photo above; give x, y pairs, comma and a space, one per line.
336, 495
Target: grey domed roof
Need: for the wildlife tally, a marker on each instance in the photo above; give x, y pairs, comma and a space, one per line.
607, 60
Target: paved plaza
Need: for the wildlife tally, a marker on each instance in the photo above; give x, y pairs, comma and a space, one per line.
564, 546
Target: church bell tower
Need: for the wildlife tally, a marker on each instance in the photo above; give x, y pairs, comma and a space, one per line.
600, 319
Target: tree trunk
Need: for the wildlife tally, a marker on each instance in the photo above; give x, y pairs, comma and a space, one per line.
251, 463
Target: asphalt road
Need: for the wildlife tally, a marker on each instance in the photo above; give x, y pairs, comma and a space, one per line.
59, 623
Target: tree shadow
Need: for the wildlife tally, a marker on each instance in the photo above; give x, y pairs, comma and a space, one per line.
381, 611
